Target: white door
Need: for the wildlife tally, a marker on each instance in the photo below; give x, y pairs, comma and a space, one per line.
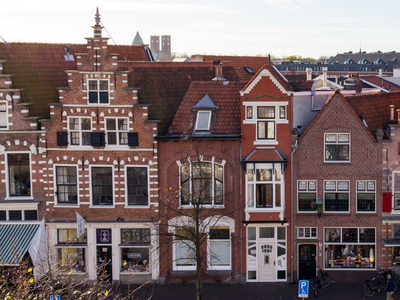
266, 262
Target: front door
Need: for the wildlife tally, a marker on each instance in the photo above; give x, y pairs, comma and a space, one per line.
104, 262
307, 261
266, 262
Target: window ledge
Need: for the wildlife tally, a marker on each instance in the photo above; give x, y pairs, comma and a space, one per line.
19, 198
66, 205
181, 272
202, 206
134, 273
101, 206
252, 210
337, 162
266, 142
219, 271
137, 206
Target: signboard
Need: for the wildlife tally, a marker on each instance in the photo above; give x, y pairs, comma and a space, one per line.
303, 288
56, 297
103, 236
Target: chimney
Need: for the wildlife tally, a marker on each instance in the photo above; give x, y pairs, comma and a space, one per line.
392, 112
325, 76
218, 71
359, 86
309, 73
292, 71
380, 73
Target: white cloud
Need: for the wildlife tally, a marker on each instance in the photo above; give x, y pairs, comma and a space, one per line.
289, 4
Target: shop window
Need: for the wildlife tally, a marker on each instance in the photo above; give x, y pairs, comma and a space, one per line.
137, 185
336, 196
19, 183
220, 248
66, 185
15, 215
135, 260
202, 181
117, 131
135, 235
102, 186
70, 236
350, 248
307, 195
396, 190
30, 215
264, 185
365, 196
337, 147
184, 254
98, 91
3, 215
396, 230
71, 260
3, 115
80, 130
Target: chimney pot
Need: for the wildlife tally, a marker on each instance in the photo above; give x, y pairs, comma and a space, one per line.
392, 112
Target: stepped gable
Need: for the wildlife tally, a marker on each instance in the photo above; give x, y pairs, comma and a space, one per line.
224, 120
164, 84
39, 68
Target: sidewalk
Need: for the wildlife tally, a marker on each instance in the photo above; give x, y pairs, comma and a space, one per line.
251, 291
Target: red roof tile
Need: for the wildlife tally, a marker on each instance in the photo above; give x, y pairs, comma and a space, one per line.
266, 155
39, 69
381, 82
164, 84
224, 120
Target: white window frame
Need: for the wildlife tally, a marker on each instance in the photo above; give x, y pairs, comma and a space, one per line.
306, 191
304, 230
396, 209
274, 182
366, 191
247, 107
337, 143
98, 91
174, 258
9, 197
79, 131
117, 131
91, 186
213, 163
337, 191
6, 115
209, 120
56, 203
127, 205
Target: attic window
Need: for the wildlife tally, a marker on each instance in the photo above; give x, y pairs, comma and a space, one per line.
248, 70
203, 120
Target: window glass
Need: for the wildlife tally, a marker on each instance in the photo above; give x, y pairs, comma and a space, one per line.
19, 174
70, 236
66, 182
102, 186
203, 120
267, 232
135, 235
266, 112
252, 233
137, 186
249, 112
220, 247
135, 260
337, 147
3, 115
72, 260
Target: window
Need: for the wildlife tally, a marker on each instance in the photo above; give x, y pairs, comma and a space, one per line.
15, 215
135, 259
266, 129
80, 131
220, 248
365, 196
137, 185
202, 181
71, 253
3, 115
249, 114
117, 131
184, 250
264, 186
350, 248
307, 232
19, 174
102, 186
336, 196
396, 190
203, 120
337, 147
282, 112
98, 91
307, 195
66, 185
30, 215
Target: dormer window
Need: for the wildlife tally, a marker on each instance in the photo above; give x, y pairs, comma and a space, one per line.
98, 91
203, 120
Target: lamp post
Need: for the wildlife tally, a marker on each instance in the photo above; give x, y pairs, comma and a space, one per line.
318, 206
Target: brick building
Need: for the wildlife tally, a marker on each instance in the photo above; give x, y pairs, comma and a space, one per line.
336, 191
201, 151
266, 176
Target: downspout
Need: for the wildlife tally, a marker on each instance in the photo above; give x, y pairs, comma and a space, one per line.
241, 216
291, 211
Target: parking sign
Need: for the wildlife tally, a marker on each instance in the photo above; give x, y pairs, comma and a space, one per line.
303, 288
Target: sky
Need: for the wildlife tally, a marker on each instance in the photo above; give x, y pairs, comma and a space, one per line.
309, 28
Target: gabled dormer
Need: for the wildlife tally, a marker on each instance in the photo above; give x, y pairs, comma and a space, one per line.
204, 109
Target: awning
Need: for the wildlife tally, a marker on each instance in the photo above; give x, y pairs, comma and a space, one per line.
14, 242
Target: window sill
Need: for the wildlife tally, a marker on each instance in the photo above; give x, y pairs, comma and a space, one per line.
202, 206
116, 147
19, 198
252, 210
180, 272
101, 206
137, 206
222, 271
366, 212
337, 162
337, 212
266, 142
66, 205
73, 273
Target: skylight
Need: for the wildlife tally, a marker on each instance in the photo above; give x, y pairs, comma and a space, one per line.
248, 70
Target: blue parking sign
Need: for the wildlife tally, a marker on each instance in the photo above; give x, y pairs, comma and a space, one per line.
303, 288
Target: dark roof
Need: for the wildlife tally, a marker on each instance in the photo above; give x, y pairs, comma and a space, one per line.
302, 85
239, 63
375, 108
371, 57
224, 120
298, 77
265, 155
39, 69
164, 84
381, 82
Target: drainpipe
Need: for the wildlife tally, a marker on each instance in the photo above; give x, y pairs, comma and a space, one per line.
241, 216
291, 211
